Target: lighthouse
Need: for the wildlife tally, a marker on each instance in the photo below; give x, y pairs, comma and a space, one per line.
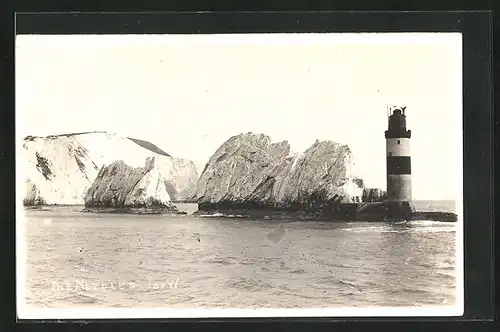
398, 156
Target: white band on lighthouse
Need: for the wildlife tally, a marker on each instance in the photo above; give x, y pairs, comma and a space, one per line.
397, 147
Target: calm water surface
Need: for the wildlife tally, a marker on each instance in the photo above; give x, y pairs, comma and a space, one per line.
111, 260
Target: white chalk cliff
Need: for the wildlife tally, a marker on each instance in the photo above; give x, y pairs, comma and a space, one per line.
250, 170
60, 169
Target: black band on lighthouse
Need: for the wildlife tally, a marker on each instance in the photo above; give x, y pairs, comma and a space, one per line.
398, 165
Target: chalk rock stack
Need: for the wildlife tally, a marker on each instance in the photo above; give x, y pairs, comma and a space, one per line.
122, 186
248, 171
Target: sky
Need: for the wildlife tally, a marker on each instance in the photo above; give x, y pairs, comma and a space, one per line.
190, 93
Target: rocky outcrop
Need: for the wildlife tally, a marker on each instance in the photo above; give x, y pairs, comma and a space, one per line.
32, 195
250, 172
140, 189
59, 169
373, 195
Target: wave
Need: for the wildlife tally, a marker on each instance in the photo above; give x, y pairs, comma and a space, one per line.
77, 299
408, 291
350, 284
446, 275
432, 223
364, 229
405, 227
297, 271
352, 267
249, 284
222, 215
222, 261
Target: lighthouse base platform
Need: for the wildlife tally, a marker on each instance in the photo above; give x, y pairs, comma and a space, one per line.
388, 211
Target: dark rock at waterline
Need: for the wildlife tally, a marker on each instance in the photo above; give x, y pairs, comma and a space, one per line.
369, 212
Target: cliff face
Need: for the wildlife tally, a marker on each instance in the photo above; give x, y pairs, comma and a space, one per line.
250, 171
121, 186
60, 169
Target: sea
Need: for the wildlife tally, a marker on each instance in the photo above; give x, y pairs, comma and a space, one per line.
77, 259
